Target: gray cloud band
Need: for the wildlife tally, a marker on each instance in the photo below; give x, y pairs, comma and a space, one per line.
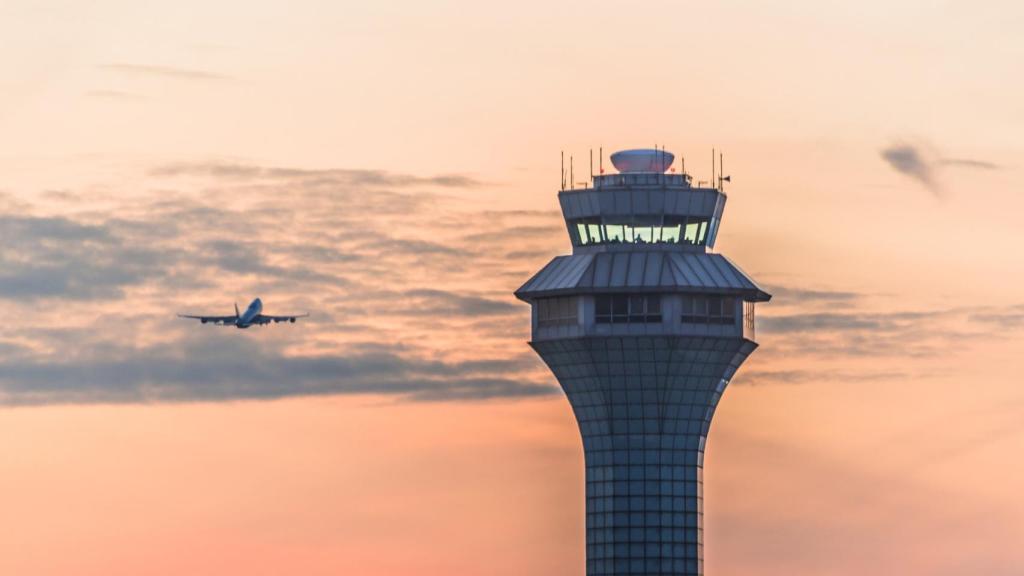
390, 270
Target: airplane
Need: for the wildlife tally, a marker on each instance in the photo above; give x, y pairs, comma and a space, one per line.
252, 315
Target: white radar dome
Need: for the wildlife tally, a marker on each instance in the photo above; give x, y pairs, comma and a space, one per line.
642, 160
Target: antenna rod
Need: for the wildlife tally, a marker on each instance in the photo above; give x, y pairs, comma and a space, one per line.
563, 169
591, 163
712, 182
721, 172
572, 178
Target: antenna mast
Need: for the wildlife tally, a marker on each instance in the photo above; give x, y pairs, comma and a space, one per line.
721, 171
563, 170
712, 181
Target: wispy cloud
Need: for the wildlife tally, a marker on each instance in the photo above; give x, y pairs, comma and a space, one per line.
862, 332
163, 71
921, 164
374, 178
44, 257
968, 163
1008, 318
789, 295
766, 377
381, 261
219, 367
114, 95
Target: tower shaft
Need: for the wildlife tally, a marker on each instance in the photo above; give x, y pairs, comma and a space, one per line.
644, 407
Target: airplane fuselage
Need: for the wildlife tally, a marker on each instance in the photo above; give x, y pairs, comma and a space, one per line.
246, 318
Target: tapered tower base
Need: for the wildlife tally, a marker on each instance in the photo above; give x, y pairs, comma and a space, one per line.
644, 406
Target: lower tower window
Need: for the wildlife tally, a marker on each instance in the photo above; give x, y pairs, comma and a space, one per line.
557, 311
627, 309
706, 309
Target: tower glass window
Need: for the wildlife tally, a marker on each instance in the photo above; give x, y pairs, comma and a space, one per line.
558, 311
708, 309
627, 309
668, 230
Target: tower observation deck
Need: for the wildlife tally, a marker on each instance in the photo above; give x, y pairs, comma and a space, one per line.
643, 327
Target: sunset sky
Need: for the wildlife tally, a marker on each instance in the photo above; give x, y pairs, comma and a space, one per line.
392, 168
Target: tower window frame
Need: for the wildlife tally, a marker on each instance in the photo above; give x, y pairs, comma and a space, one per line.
670, 229
627, 309
557, 311
708, 309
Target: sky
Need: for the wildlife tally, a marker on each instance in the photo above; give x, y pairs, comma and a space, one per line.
392, 168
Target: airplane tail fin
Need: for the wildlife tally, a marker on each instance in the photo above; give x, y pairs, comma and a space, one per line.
237, 315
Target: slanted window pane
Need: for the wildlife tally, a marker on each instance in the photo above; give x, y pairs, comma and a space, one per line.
691, 233
640, 230
654, 304
620, 309
714, 306
700, 305
557, 311
729, 307
709, 309
636, 304
620, 305
653, 315
582, 230
636, 309
627, 308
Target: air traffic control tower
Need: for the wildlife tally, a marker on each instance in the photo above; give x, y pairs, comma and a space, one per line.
643, 326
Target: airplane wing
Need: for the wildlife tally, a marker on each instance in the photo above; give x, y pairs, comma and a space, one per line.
266, 319
211, 319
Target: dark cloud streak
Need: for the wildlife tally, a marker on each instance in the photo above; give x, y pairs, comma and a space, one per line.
968, 163
910, 161
920, 164
218, 369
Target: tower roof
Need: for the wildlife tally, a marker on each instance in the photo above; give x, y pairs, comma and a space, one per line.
654, 271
